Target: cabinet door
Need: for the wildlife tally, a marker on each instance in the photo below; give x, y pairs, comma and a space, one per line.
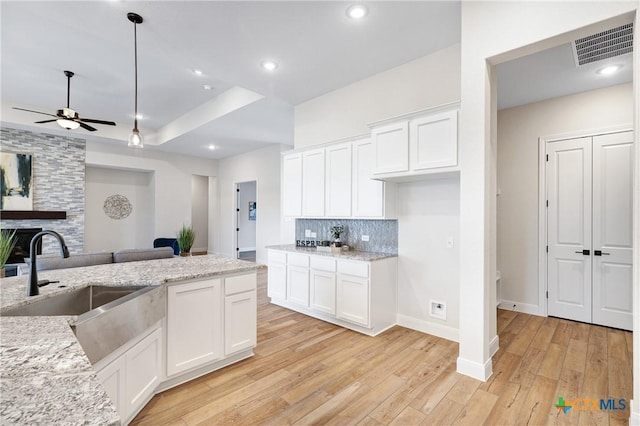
277, 281
112, 378
434, 141
313, 183
368, 194
323, 291
143, 363
292, 185
353, 299
391, 144
298, 285
240, 316
194, 328
338, 181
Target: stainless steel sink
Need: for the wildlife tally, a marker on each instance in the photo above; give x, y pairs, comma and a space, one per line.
75, 302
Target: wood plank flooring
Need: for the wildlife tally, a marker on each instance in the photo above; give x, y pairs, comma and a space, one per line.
308, 372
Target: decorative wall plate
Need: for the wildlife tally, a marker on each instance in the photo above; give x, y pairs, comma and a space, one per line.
117, 207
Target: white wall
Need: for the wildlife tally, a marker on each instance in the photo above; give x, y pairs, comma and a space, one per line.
517, 29
247, 233
200, 211
105, 234
518, 175
262, 166
425, 82
428, 214
171, 191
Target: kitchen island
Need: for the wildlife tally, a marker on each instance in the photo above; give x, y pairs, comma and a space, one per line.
45, 376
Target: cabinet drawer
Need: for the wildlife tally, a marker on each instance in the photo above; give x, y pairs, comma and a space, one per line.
323, 263
358, 269
277, 256
298, 260
239, 284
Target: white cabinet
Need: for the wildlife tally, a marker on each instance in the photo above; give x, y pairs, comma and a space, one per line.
298, 284
353, 299
194, 324
416, 146
433, 141
392, 149
131, 379
292, 185
371, 198
240, 313
313, 180
338, 180
322, 277
277, 275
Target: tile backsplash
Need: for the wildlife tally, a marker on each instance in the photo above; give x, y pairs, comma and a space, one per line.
383, 234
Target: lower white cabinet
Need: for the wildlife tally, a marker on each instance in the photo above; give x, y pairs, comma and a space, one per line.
240, 313
131, 379
277, 275
353, 299
323, 291
194, 324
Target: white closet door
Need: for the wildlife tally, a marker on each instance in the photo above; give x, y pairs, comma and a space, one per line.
612, 230
569, 229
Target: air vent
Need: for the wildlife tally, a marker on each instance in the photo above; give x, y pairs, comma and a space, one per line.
604, 45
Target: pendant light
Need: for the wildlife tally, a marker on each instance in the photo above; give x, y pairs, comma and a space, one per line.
135, 138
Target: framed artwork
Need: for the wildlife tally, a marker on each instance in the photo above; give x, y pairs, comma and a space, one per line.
252, 210
16, 183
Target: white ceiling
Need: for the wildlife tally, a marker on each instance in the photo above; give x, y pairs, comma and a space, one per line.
317, 47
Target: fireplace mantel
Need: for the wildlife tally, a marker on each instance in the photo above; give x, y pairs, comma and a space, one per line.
32, 214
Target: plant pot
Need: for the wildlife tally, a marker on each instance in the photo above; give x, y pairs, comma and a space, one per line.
185, 254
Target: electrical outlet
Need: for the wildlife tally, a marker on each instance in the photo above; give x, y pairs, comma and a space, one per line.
313, 235
438, 309
365, 238
307, 233
449, 242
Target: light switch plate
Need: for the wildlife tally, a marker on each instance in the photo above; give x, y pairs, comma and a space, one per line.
365, 238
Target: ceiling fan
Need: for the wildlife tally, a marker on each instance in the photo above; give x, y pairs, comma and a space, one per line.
68, 118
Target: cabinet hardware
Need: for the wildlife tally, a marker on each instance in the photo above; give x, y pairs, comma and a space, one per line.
600, 253
584, 252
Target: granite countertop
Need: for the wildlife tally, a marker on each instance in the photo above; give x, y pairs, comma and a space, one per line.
364, 256
45, 376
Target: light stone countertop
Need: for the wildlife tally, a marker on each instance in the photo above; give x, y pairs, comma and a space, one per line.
45, 376
363, 256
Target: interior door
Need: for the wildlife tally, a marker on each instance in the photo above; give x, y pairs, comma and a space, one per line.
612, 230
569, 229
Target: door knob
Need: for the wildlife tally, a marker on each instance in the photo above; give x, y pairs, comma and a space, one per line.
584, 252
600, 253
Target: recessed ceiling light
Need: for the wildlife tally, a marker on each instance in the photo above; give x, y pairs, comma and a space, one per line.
269, 65
609, 69
207, 87
211, 147
357, 11
139, 116
197, 72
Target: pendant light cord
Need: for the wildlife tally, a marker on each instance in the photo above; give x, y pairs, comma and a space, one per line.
135, 55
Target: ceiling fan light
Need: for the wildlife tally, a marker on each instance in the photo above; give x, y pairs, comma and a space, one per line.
67, 124
136, 140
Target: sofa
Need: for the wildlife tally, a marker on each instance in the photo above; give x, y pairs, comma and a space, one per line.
46, 263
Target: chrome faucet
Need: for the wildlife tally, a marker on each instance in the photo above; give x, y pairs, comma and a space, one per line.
32, 284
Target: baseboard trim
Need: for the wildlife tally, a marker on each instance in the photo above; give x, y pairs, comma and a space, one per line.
634, 418
439, 330
525, 308
494, 345
474, 369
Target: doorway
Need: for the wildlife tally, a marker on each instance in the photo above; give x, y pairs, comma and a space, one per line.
200, 213
589, 198
246, 218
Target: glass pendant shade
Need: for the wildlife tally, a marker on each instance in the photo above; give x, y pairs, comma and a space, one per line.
135, 139
67, 124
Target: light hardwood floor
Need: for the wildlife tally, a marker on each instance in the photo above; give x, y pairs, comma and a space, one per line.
306, 372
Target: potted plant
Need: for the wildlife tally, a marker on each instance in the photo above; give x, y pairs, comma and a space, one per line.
7, 241
186, 235
336, 232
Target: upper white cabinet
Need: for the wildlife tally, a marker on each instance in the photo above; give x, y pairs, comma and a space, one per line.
433, 141
392, 149
338, 180
372, 199
292, 184
416, 146
313, 180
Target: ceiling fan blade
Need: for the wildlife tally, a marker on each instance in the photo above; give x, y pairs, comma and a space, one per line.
44, 121
91, 120
37, 112
86, 126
